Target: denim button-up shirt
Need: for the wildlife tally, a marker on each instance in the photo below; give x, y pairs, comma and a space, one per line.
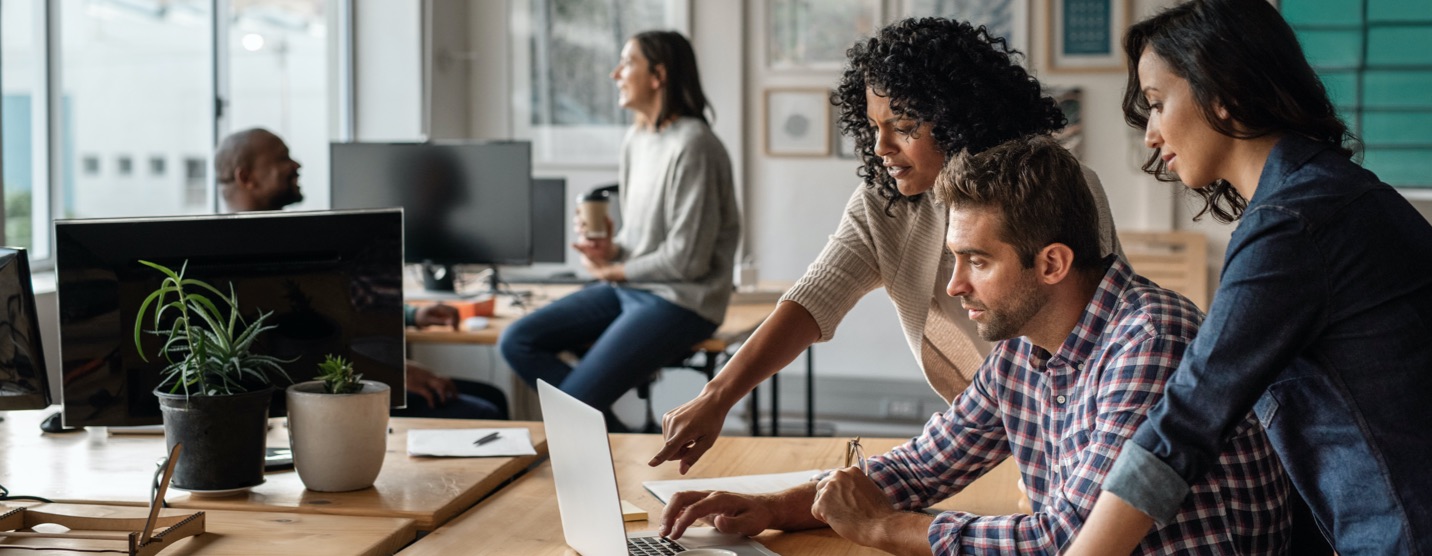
1322, 326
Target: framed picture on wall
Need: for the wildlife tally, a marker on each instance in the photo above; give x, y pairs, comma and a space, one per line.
1002, 18
1087, 35
814, 34
797, 122
1071, 103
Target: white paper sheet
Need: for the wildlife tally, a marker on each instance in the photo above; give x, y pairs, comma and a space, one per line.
459, 443
741, 484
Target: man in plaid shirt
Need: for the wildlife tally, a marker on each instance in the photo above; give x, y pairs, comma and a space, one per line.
1087, 347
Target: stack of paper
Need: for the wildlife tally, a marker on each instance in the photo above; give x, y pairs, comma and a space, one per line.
462, 443
744, 484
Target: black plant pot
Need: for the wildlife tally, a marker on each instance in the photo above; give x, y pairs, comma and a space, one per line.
223, 438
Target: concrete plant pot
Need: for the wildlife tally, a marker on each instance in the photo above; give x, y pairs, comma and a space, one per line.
338, 440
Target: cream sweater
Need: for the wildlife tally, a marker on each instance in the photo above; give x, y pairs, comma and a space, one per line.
902, 253
680, 220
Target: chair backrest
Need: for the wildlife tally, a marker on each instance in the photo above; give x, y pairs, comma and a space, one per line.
1175, 260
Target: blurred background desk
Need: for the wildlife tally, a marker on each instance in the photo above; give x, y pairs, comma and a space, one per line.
96, 468
745, 313
525, 512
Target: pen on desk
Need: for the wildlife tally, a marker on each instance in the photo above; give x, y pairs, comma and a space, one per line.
485, 439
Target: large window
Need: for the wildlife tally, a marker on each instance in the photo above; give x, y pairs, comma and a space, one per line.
564, 53
111, 108
135, 81
278, 80
20, 76
1375, 57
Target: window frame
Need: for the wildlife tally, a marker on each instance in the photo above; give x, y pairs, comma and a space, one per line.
46, 105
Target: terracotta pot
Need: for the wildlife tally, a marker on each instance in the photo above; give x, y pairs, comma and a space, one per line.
338, 440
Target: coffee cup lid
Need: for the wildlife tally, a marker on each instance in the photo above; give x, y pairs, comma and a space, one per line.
598, 195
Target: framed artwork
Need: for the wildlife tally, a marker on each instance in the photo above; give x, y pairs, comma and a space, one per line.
1002, 18
1087, 35
1071, 102
814, 34
797, 122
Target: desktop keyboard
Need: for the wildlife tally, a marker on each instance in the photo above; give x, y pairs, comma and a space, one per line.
652, 546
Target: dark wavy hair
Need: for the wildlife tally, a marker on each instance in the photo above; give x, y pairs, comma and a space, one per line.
1242, 55
947, 73
682, 95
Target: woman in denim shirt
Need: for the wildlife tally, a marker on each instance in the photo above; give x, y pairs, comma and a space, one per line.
1322, 324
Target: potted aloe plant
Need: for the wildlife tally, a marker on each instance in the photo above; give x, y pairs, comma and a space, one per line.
337, 427
214, 391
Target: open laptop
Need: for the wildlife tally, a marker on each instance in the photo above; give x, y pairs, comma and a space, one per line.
587, 488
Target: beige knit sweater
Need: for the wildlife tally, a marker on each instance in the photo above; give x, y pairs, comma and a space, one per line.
902, 253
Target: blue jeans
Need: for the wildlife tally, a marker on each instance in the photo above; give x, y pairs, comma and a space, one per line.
632, 334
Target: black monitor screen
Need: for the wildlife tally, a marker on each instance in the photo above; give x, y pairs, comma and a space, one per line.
464, 203
550, 220
332, 279
23, 383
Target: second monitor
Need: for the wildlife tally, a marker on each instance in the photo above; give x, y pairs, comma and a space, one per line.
463, 203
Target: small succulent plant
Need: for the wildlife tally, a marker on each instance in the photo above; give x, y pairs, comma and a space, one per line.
338, 376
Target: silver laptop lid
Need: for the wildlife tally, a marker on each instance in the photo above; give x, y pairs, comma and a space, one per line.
582, 469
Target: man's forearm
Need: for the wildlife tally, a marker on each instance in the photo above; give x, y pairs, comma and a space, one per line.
903, 533
791, 508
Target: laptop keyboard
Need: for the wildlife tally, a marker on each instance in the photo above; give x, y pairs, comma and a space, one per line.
652, 546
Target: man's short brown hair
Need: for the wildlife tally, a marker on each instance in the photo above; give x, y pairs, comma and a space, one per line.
1038, 188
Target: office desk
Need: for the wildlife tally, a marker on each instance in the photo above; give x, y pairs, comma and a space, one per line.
248, 533
91, 467
742, 319
522, 518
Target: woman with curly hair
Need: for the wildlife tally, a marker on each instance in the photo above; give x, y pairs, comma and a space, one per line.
918, 93
1320, 326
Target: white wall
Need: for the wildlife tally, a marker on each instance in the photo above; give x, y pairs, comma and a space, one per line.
388, 81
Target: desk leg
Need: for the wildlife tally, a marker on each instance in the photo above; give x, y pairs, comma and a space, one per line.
810, 391
776, 404
756, 411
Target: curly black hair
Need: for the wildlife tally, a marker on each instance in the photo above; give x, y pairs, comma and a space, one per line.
947, 73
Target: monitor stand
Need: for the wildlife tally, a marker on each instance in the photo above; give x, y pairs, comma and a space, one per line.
497, 286
440, 279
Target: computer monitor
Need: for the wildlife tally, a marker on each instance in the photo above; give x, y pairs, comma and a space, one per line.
332, 279
550, 220
23, 381
464, 203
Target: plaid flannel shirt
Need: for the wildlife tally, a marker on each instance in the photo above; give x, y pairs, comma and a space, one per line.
1064, 417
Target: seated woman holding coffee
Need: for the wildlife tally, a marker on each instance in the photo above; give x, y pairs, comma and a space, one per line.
666, 274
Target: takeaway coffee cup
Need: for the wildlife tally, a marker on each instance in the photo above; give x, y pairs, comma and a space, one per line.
593, 209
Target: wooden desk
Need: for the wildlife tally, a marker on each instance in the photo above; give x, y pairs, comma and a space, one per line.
91, 467
249, 533
523, 518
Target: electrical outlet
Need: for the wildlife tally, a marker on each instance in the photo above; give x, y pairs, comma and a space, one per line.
901, 408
